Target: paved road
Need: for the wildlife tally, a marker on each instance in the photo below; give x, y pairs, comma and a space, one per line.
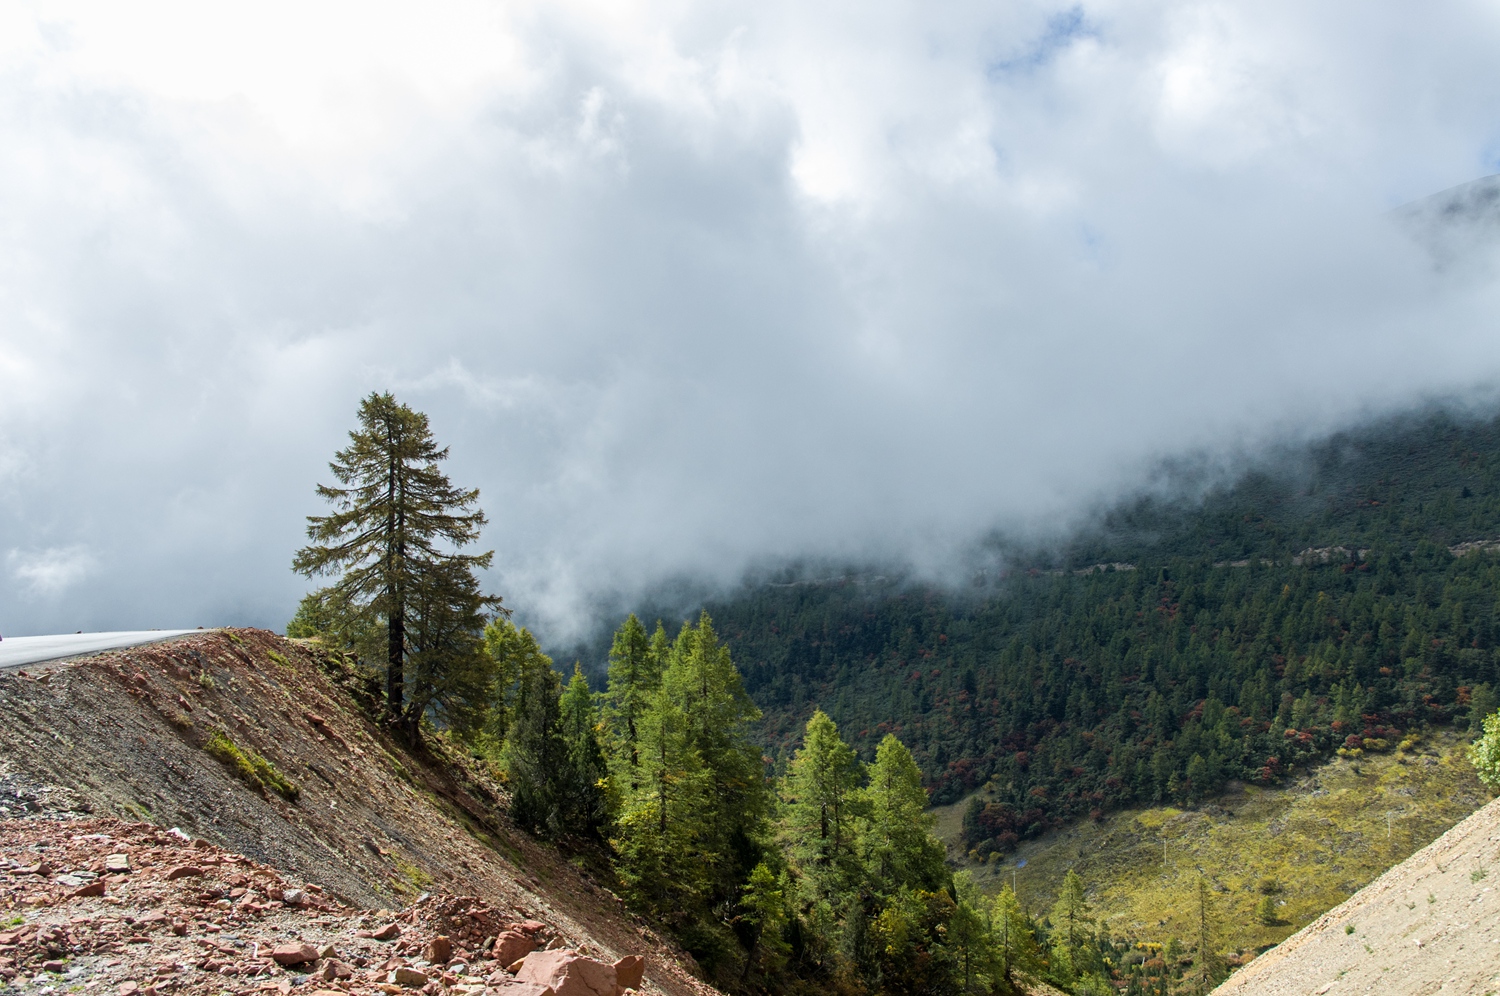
18, 650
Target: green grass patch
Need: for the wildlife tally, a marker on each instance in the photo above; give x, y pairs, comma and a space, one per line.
279, 660
1309, 845
250, 766
408, 879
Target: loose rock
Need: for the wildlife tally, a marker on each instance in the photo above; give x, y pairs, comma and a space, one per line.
408, 977
567, 973
294, 954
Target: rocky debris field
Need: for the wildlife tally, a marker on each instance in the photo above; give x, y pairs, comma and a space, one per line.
132, 910
266, 747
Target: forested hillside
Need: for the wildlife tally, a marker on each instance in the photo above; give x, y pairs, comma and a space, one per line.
1334, 599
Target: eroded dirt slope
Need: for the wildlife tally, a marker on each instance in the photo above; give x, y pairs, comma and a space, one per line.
133, 734
1431, 924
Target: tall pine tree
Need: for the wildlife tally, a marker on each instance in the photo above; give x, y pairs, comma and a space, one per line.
394, 540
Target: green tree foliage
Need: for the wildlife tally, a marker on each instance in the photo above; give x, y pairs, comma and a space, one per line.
1278, 620
1485, 752
536, 753
1071, 914
818, 809
513, 651
764, 914
393, 540
585, 800
1072, 923
663, 839
1018, 956
1482, 702
701, 683
897, 840
635, 666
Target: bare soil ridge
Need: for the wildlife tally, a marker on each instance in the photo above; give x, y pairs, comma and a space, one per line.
1430, 924
129, 734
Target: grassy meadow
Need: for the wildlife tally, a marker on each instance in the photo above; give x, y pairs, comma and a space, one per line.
1308, 845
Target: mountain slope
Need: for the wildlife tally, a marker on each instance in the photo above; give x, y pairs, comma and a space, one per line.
1431, 924
262, 746
1337, 596
1308, 846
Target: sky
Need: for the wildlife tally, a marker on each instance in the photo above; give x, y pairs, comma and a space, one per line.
693, 287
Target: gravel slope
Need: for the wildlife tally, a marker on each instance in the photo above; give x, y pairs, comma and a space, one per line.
1429, 925
129, 734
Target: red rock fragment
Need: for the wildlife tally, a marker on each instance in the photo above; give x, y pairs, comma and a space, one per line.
568, 973
94, 888
54, 965
184, 871
528, 927
408, 977
439, 950
514, 987
387, 933
294, 954
512, 946
630, 971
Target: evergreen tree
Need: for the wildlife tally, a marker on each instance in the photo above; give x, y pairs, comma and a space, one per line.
897, 840
584, 802
635, 664
704, 685
764, 913
536, 755
662, 837
1484, 753
970, 937
1072, 916
819, 805
1017, 954
512, 651
450, 676
393, 540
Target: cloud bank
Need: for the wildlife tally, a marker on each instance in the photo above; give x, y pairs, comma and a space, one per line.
688, 287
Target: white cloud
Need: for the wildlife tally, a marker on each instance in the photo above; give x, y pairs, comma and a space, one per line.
48, 573
688, 286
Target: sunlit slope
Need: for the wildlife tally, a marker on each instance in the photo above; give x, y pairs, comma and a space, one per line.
1310, 846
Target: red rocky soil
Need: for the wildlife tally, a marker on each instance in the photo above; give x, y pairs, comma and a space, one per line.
97, 745
124, 908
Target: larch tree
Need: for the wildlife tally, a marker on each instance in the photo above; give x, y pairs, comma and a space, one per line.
395, 539
818, 797
536, 752
662, 837
702, 681
1072, 917
635, 666
1016, 950
585, 800
897, 839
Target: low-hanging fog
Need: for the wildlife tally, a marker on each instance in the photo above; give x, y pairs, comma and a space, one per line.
689, 287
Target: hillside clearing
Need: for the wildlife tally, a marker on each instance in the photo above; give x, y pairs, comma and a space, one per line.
1310, 846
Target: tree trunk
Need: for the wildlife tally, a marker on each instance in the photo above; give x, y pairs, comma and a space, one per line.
395, 678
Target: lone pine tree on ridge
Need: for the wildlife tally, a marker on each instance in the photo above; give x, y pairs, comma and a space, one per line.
394, 540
